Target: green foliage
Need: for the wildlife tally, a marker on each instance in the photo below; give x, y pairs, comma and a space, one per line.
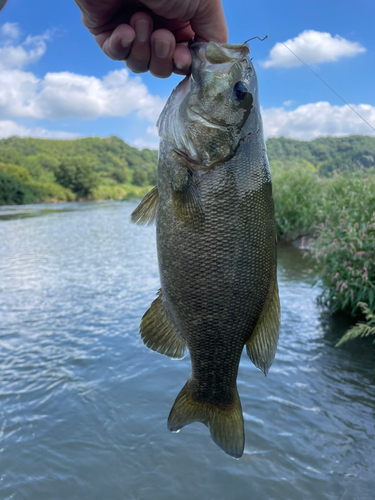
19, 173
77, 175
296, 192
119, 192
140, 178
327, 154
340, 211
361, 329
104, 155
345, 256
119, 175
37, 192
11, 190
87, 167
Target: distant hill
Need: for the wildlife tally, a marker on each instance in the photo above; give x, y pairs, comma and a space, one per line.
326, 154
106, 156
34, 170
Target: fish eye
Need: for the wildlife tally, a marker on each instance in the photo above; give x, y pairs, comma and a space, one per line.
240, 90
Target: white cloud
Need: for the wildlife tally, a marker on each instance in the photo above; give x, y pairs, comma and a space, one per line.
65, 94
9, 128
153, 131
318, 119
17, 94
150, 140
28, 52
10, 30
312, 47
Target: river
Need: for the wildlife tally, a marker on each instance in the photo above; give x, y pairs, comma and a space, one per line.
83, 404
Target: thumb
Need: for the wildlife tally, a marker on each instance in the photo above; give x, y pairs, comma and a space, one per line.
209, 22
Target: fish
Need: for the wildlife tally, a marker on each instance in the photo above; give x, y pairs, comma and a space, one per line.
216, 239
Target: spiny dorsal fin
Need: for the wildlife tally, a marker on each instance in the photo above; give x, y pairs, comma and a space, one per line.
226, 425
145, 213
261, 347
159, 333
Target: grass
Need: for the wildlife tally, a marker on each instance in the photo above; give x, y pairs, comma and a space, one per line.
339, 212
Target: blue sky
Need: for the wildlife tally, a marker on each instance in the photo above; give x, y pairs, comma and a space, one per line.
55, 82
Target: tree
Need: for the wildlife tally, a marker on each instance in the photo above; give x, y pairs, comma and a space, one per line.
11, 190
140, 178
119, 175
77, 174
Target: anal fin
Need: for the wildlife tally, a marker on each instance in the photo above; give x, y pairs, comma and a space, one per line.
261, 347
159, 333
145, 212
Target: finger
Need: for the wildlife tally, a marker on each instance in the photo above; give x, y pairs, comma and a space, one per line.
117, 44
139, 58
183, 34
182, 59
162, 44
209, 23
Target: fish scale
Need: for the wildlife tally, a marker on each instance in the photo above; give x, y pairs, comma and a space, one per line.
216, 240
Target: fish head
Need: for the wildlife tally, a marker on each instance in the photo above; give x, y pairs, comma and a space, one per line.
208, 112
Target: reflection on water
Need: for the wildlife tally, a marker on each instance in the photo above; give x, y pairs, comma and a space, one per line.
83, 404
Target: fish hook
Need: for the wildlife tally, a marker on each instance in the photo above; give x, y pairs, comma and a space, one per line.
261, 39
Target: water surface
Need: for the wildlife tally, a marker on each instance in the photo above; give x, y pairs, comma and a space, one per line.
83, 404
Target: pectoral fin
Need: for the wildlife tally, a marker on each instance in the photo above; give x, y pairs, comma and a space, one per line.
145, 213
261, 347
159, 333
186, 198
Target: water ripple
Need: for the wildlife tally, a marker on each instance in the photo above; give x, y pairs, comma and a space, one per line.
83, 404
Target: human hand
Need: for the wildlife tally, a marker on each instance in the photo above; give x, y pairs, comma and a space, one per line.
153, 34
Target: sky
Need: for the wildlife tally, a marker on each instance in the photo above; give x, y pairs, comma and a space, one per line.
56, 83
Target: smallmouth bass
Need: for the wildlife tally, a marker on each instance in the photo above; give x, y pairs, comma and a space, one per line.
216, 239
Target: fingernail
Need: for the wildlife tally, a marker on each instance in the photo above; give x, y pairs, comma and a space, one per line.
126, 43
162, 48
179, 65
142, 30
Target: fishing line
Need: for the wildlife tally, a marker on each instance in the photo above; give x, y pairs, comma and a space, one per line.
326, 84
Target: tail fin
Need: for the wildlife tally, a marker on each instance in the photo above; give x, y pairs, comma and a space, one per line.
226, 425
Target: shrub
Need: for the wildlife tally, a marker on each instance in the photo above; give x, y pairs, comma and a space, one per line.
361, 329
38, 192
296, 193
345, 254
